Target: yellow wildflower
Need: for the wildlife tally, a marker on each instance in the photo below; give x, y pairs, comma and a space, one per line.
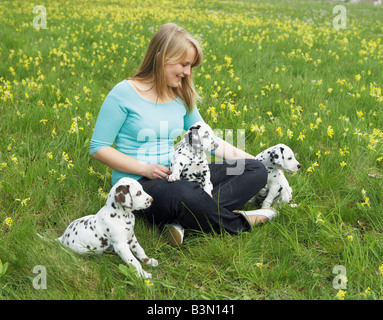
14, 159
360, 115
279, 131
319, 220
8, 221
343, 152
366, 199
148, 283
74, 126
102, 194
61, 178
301, 136
366, 202
213, 113
12, 71
21, 115
322, 107
23, 202
259, 130
366, 292
66, 158
214, 95
312, 168
340, 295
330, 131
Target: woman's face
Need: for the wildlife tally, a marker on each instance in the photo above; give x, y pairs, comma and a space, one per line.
175, 72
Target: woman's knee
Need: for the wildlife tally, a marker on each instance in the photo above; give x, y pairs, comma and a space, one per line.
257, 168
175, 193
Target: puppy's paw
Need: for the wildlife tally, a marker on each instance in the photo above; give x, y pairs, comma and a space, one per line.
172, 178
208, 190
152, 262
146, 275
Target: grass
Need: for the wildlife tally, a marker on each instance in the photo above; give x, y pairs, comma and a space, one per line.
277, 69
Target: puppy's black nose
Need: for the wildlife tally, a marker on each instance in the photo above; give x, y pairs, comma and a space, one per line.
299, 166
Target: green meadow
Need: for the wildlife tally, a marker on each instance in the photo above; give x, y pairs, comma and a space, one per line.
273, 72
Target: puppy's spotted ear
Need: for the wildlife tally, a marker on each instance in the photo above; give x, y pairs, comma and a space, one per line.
276, 157
122, 196
196, 127
190, 137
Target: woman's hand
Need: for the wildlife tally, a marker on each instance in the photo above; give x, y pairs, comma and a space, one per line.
156, 171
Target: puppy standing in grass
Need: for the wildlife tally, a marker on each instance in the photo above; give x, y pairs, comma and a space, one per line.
113, 226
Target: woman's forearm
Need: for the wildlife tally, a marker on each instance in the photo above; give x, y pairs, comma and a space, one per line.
119, 161
227, 151
124, 163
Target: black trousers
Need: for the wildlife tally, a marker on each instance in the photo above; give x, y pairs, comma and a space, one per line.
234, 184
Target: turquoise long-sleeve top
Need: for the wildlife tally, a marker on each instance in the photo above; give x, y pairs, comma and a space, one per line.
139, 128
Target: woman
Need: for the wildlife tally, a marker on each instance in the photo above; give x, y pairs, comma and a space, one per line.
144, 114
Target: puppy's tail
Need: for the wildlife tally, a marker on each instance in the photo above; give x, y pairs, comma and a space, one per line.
46, 239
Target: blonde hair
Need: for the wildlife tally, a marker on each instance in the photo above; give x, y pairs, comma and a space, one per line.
170, 45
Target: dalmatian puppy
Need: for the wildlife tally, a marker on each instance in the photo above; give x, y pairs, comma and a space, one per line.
189, 160
277, 158
112, 227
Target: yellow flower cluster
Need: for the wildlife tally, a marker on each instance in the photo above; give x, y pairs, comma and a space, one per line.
149, 283
319, 219
74, 128
259, 130
340, 295
102, 194
316, 164
93, 172
8, 221
69, 162
366, 293
366, 199
24, 201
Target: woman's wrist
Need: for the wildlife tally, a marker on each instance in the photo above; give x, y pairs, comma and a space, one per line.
144, 170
